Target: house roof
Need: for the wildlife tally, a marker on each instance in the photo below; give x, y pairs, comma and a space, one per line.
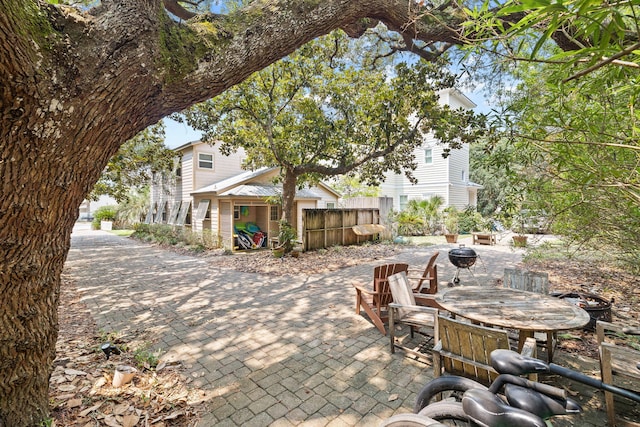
464, 99
234, 181
267, 190
188, 144
240, 185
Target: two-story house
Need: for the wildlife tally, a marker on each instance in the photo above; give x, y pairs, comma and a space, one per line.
445, 177
211, 191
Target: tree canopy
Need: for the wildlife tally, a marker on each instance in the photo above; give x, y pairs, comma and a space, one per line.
325, 111
574, 154
130, 171
570, 147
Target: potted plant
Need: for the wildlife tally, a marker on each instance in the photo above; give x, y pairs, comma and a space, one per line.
451, 224
103, 218
278, 252
286, 239
520, 239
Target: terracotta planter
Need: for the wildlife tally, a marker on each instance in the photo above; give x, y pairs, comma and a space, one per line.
451, 238
520, 241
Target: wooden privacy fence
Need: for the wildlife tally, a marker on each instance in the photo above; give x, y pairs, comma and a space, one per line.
323, 228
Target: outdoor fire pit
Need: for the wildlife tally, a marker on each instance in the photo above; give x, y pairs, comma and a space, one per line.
597, 307
462, 257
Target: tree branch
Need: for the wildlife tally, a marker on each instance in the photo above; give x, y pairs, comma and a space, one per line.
174, 7
604, 62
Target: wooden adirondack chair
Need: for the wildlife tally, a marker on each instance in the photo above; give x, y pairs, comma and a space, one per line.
427, 283
375, 301
408, 309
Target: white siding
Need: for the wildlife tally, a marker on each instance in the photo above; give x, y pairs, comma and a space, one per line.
443, 177
433, 179
303, 204
226, 225
187, 174
215, 217
223, 166
327, 197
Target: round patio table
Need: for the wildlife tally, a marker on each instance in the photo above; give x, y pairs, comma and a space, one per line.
515, 309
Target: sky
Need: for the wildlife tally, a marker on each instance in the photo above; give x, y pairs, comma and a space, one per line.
177, 134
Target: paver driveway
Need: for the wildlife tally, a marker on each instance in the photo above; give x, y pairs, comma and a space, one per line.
278, 351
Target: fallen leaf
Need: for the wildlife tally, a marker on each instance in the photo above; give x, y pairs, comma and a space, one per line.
66, 387
130, 420
111, 421
393, 397
100, 382
74, 403
89, 410
121, 408
74, 372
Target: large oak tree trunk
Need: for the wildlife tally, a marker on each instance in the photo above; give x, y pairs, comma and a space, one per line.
45, 176
73, 88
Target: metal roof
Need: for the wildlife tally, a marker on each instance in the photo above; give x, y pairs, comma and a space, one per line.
266, 190
235, 180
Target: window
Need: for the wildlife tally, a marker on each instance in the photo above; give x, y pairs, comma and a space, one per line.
274, 213
331, 205
428, 156
463, 176
205, 161
203, 210
236, 212
179, 172
403, 202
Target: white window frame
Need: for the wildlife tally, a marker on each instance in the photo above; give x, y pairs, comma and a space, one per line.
202, 161
428, 156
404, 200
331, 205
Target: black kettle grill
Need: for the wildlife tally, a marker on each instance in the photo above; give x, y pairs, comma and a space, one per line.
462, 257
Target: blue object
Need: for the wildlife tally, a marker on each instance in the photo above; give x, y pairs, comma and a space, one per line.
252, 227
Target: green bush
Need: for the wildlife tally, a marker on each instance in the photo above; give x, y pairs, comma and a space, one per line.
471, 220
103, 213
173, 235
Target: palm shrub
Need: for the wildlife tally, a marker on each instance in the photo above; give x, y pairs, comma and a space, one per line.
429, 211
134, 209
407, 223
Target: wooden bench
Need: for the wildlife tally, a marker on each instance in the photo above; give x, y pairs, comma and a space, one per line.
484, 239
619, 362
368, 229
465, 349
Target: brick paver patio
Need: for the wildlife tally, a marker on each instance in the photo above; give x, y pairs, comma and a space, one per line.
272, 351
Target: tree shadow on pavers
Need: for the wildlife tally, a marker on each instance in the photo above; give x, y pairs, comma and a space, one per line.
266, 348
